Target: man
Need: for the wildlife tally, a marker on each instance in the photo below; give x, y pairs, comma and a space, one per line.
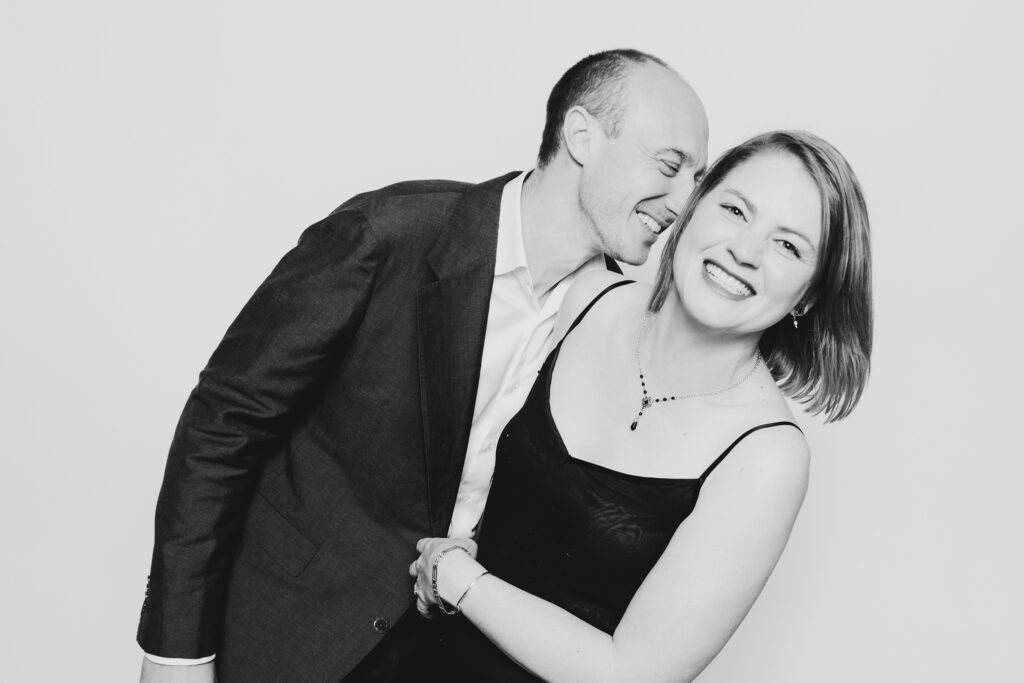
354, 404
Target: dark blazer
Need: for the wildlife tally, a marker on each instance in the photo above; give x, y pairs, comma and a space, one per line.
325, 436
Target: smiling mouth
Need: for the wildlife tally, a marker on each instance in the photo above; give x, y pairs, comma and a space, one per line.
651, 224
727, 281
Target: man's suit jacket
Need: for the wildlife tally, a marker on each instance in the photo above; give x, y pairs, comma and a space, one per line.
325, 436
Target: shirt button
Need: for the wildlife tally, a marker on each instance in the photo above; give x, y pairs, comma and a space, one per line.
380, 625
515, 386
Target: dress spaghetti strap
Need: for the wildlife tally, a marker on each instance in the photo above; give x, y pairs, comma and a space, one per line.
593, 301
740, 438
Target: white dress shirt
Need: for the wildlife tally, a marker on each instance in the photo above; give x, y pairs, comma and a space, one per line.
516, 342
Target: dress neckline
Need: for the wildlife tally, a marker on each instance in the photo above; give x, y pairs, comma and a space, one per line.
560, 442
549, 365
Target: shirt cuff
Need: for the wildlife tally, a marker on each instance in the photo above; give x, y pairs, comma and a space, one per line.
176, 661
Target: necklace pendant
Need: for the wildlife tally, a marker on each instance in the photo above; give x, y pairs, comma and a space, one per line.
632, 427
645, 403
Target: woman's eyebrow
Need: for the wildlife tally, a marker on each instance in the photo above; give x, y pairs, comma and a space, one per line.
801, 235
750, 205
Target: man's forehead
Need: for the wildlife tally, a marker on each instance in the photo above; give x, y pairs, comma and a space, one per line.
663, 105
655, 83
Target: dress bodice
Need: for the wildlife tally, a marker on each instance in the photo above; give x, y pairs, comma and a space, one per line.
578, 535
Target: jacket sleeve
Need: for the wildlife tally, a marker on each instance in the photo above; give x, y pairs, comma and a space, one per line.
271, 364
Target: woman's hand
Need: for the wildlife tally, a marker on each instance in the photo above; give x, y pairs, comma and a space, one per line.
443, 552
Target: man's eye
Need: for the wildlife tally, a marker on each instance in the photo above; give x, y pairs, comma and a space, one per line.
669, 169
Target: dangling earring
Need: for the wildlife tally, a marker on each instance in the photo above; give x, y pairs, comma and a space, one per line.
796, 313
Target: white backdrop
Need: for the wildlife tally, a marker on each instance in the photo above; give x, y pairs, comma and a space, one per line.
157, 159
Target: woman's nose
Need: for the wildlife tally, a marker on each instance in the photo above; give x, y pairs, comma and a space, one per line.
746, 248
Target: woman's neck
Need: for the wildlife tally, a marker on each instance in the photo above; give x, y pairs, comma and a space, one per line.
679, 355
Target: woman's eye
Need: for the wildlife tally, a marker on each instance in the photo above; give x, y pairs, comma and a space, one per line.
669, 169
790, 247
734, 210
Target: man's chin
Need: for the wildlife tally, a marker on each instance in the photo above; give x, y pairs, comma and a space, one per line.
635, 257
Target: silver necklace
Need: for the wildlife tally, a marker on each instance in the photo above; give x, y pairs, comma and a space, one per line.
645, 399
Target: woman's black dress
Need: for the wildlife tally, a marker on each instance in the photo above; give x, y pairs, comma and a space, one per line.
576, 534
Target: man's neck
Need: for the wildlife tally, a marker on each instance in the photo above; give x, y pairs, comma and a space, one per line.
555, 236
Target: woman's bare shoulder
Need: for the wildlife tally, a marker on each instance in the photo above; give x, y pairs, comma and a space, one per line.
773, 456
587, 286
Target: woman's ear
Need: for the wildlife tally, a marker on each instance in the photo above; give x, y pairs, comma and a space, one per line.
805, 304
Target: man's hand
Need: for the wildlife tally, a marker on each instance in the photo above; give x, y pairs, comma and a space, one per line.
181, 673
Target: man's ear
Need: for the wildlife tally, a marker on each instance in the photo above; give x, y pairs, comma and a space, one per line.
578, 132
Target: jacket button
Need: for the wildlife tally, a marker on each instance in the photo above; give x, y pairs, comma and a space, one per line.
380, 625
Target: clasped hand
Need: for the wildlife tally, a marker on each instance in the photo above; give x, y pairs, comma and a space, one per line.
434, 551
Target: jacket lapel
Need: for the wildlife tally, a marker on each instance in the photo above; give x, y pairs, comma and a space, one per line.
452, 320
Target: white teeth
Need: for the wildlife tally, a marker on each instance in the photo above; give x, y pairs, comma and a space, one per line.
728, 282
651, 224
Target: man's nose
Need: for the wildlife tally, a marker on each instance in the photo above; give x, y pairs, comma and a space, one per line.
679, 193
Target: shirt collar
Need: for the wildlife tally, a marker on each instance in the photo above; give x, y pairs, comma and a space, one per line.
511, 253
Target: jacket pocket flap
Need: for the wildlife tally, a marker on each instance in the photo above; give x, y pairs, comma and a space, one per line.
275, 534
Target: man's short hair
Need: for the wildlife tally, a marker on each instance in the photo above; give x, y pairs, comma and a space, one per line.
596, 84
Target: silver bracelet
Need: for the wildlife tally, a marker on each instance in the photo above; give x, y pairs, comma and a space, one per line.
433, 577
458, 605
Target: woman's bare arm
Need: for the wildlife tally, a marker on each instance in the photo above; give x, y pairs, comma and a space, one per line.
690, 603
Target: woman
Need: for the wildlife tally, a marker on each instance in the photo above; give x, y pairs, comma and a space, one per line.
644, 493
